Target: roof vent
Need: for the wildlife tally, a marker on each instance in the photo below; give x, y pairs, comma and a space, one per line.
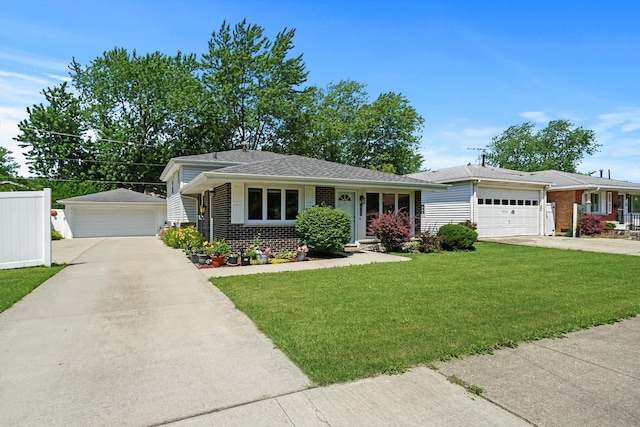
215, 155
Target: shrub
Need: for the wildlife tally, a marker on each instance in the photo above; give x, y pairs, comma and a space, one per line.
457, 237
469, 224
183, 238
609, 226
392, 229
430, 241
323, 228
590, 225
55, 235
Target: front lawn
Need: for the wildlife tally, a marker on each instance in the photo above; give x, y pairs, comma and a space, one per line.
345, 323
18, 282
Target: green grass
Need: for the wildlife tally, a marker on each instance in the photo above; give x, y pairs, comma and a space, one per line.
18, 282
345, 323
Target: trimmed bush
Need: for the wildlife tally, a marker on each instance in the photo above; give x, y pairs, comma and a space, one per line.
323, 228
590, 225
55, 235
392, 229
183, 238
456, 237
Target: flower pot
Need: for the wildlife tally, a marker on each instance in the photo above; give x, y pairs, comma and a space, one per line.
301, 256
204, 259
194, 258
262, 258
217, 260
233, 260
245, 260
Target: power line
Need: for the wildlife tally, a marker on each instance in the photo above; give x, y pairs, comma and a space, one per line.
104, 182
101, 161
51, 132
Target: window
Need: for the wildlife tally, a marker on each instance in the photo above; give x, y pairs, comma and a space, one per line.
520, 202
292, 203
373, 207
512, 202
255, 204
595, 202
496, 201
635, 204
505, 202
609, 202
404, 202
527, 202
378, 203
481, 201
388, 203
534, 202
487, 201
273, 207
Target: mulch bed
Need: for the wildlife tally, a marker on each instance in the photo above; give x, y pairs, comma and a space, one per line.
311, 256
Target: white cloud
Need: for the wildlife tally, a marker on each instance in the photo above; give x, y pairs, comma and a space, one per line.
25, 58
536, 116
60, 78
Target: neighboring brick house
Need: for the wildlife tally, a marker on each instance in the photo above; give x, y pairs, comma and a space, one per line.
239, 194
609, 199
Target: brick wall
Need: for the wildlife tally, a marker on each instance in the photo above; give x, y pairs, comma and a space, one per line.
564, 201
239, 236
326, 196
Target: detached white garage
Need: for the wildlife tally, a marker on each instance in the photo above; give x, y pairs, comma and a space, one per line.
115, 213
502, 202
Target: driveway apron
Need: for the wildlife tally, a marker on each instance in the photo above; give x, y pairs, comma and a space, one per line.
132, 334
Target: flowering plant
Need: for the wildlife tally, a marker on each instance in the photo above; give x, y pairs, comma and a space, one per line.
302, 249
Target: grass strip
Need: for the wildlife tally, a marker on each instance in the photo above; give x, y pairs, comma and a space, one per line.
18, 282
345, 323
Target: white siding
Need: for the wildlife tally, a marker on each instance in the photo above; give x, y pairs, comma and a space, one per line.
444, 207
25, 228
188, 174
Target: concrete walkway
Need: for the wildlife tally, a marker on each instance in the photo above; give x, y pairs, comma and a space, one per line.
590, 378
590, 244
131, 334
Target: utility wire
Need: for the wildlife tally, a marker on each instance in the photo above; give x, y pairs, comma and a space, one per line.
102, 161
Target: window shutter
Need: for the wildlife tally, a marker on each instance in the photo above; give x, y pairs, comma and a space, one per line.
237, 203
309, 196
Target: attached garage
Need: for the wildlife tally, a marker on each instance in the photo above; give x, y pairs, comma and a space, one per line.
508, 212
501, 202
115, 213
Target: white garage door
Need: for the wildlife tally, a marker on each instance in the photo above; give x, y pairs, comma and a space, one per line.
503, 212
113, 222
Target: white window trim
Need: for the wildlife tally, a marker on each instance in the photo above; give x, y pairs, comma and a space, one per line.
272, 222
609, 202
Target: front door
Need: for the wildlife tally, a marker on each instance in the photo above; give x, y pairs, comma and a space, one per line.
347, 202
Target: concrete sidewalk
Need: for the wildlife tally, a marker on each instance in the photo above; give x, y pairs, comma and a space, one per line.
590, 244
589, 378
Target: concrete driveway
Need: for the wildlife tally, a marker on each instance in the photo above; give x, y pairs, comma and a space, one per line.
590, 244
131, 334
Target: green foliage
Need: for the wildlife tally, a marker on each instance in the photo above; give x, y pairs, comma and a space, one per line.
8, 167
456, 237
559, 146
341, 125
339, 324
323, 228
17, 282
252, 85
217, 247
55, 235
469, 224
609, 226
286, 254
183, 238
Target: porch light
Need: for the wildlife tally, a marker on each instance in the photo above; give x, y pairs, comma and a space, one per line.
202, 210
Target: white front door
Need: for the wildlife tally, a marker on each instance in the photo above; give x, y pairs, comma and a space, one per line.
347, 202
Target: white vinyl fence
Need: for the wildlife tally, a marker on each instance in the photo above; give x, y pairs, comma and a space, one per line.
25, 228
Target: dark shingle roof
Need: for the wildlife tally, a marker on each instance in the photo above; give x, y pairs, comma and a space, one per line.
120, 195
305, 167
232, 156
468, 172
575, 180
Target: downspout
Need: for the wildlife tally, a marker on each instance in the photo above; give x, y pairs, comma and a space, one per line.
211, 214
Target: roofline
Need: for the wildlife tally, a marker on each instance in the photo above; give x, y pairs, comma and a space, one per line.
204, 177
174, 163
592, 187
73, 202
498, 181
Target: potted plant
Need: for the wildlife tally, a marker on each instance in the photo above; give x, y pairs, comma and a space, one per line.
301, 252
262, 256
217, 251
233, 258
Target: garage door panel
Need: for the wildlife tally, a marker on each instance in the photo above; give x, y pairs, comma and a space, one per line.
86, 222
508, 212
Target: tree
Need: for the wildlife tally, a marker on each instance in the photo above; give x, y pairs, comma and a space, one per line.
252, 85
8, 167
339, 124
49, 135
140, 108
559, 146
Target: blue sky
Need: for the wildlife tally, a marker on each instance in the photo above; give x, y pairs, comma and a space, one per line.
470, 68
